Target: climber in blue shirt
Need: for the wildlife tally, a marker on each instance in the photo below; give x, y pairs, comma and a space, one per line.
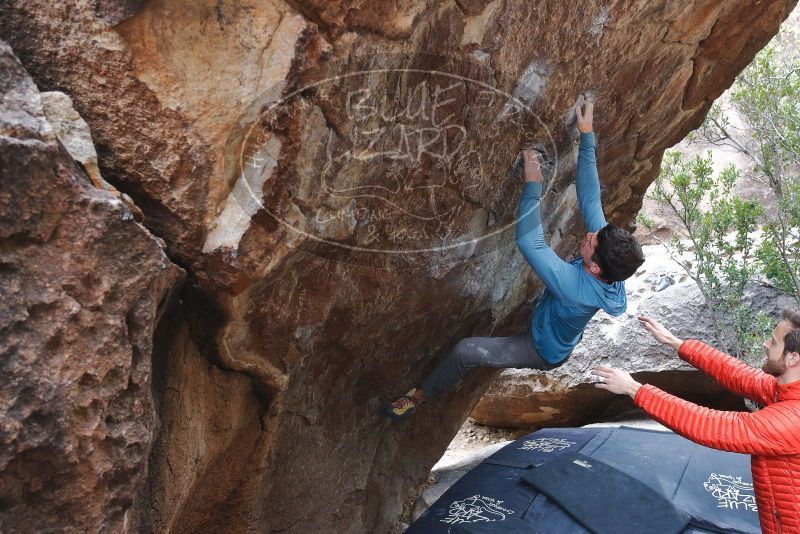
574, 290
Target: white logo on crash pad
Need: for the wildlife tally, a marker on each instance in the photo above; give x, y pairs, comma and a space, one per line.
476, 508
731, 492
546, 444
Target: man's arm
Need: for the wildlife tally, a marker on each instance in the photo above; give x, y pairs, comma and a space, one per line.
554, 272
587, 182
773, 431
733, 374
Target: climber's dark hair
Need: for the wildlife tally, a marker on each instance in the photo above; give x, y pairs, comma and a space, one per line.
617, 253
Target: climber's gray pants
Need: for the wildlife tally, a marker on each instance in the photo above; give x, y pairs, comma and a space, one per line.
512, 351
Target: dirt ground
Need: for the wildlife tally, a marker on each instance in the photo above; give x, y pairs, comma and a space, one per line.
472, 437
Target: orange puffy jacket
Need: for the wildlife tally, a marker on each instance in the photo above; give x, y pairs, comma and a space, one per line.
770, 435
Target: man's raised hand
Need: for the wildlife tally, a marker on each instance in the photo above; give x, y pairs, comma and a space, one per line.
584, 114
533, 171
660, 332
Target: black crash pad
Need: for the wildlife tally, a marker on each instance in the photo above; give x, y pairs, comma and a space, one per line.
713, 487
604, 499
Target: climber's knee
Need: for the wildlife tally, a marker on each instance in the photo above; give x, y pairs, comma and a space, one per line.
469, 354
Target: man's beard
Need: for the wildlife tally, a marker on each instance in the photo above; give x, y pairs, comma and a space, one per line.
775, 368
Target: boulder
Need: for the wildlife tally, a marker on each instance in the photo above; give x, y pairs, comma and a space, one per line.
83, 285
74, 134
335, 178
523, 398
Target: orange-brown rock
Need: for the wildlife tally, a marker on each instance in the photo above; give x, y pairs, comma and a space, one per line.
82, 285
334, 176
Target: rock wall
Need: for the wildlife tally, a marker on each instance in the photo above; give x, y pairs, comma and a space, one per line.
334, 178
82, 285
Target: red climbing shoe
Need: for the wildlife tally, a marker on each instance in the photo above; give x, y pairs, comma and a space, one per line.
401, 407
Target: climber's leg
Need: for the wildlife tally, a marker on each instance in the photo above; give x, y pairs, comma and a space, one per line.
500, 352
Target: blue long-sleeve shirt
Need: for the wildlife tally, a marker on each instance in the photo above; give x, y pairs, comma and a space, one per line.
572, 296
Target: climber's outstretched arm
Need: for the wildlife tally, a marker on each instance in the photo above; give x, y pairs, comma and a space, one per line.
562, 281
587, 182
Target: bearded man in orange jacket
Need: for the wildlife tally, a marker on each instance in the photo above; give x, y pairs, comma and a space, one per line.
771, 435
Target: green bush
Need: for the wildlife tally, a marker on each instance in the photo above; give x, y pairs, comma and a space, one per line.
719, 256
722, 257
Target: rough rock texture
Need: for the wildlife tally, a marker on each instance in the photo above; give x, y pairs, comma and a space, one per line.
74, 134
81, 285
521, 398
345, 215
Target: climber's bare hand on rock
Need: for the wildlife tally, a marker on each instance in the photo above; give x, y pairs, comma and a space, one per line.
533, 171
584, 115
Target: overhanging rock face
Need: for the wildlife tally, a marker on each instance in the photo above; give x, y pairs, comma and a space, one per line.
335, 179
